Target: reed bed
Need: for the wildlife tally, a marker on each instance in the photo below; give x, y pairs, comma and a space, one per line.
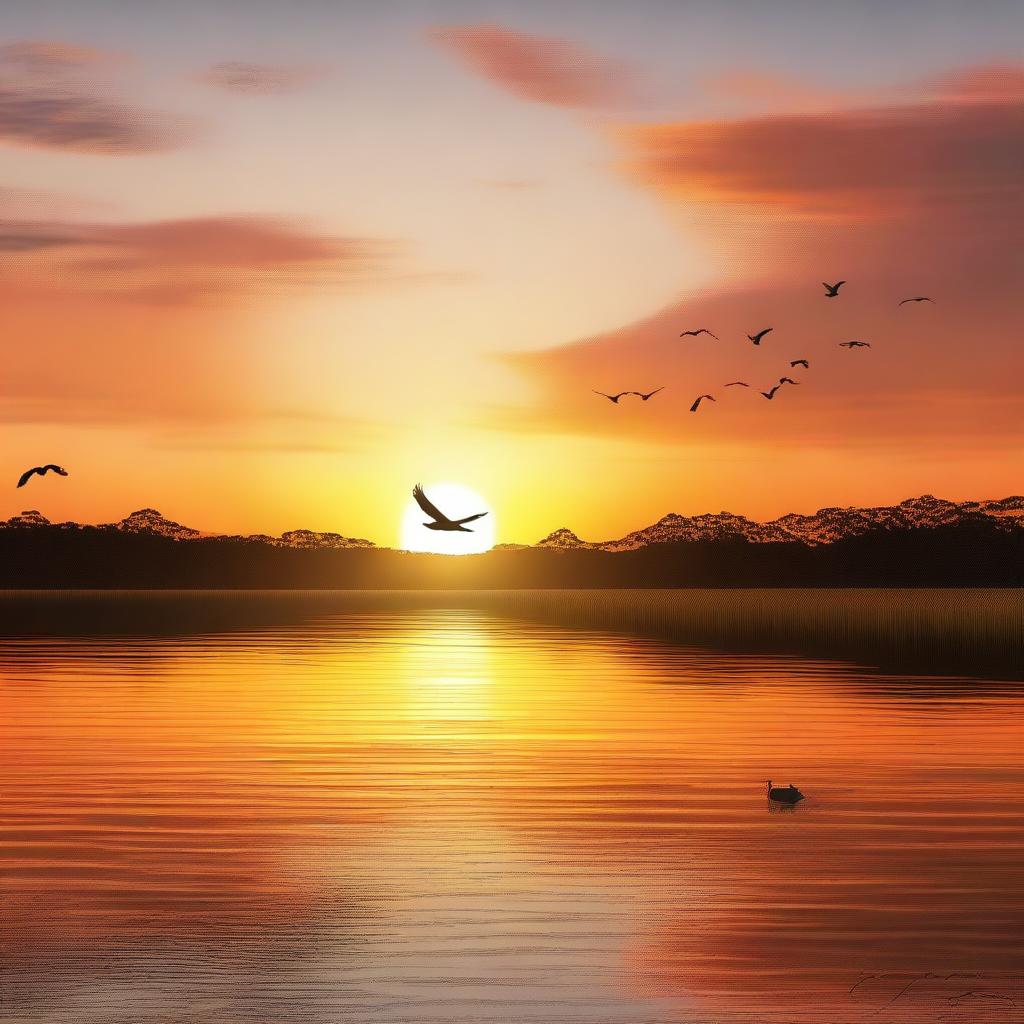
953, 631
939, 632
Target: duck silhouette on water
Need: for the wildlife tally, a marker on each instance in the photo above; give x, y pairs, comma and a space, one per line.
784, 795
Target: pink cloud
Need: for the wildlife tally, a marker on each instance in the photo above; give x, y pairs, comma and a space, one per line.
542, 69
760, 89
52, 56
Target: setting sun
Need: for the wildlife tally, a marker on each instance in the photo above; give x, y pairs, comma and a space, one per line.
456, 502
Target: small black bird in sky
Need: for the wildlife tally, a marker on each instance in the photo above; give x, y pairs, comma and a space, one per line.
700, 330
756, 338
770, 393
699, 399
440, 520
738, 384
800, 362
855, 344
642, 396
787, 380
832, 290
614, 398
42, 471
916, 298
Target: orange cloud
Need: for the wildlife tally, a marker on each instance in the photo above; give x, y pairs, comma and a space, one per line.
542, 69
864, 161
915, 198
97, 312
189, 260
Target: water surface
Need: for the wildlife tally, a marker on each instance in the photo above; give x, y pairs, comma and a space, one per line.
444, 814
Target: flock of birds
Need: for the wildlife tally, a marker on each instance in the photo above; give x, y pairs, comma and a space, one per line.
789, 795
441, 522
831, 292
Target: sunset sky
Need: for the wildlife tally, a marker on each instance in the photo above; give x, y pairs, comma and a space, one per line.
265, 265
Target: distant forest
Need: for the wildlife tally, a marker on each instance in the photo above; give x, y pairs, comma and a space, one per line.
973, 554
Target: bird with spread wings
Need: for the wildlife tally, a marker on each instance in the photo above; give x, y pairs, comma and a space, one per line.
440, 520
42, 471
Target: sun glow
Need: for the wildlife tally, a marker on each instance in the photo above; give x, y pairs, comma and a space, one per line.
455, 501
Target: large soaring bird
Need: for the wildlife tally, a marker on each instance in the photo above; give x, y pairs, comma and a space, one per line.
614, 398
42, 471
855, 344
800, 362
916, 298
642, 396
699, 330
699, 399
441, 521
756, 338
832, 290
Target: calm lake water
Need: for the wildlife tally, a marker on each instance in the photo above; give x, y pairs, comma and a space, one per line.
442, 814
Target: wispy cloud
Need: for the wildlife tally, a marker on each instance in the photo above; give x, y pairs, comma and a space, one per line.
52, 97
52, 56
31, 116
252, 78
864, 160
188, 260
542, 69
761, 90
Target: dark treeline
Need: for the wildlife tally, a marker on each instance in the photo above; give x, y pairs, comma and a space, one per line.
966, 555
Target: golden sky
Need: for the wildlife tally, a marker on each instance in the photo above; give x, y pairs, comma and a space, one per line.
265, 271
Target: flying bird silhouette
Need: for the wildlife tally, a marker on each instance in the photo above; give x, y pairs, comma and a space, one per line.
916, 298
441, 521
738, 384
800, 362
642, 396
832, 290
855, 344
699, 399
756, 338
614, 398
700, 330
787, 380
770, 393
42, 471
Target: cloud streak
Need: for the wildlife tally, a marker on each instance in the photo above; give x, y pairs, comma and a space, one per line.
53, 57
862, 161
188, 260
541, 69
51, 98
66, 119
251, 78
